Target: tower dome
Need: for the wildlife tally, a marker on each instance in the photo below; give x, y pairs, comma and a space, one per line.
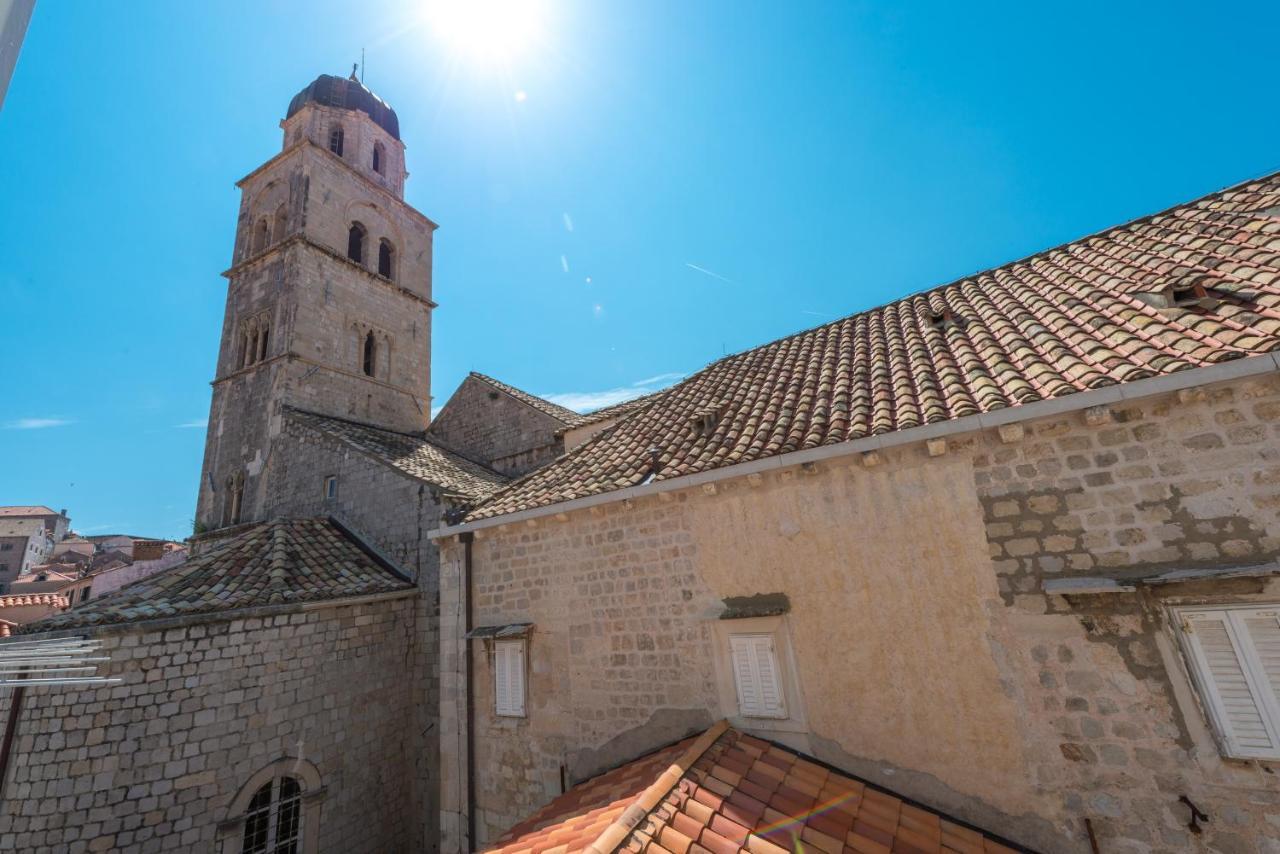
347, 93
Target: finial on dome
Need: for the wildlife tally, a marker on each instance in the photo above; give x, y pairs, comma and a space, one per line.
353, 76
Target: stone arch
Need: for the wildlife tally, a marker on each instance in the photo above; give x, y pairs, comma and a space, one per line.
231, 829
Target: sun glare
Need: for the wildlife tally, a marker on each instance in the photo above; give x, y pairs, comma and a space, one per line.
487, 29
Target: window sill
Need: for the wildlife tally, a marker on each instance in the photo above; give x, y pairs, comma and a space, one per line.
1097, 585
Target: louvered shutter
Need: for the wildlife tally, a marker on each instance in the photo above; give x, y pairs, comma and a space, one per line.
508, 669
755, 672
1236, 653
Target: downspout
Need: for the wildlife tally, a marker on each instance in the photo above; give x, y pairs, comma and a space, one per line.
466, 539
11, 730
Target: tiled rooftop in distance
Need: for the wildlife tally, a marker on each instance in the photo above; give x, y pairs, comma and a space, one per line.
562, 414
270, 563
1081, 316
732, 793
414, 455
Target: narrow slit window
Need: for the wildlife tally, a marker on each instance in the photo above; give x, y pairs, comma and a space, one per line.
262, 344
386, 259
370, 354
377, 158
335, 140
355, 243
331, 487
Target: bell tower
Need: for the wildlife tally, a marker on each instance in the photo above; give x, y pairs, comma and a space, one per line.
328, 296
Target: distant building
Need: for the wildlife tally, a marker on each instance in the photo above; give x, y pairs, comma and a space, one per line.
28, 535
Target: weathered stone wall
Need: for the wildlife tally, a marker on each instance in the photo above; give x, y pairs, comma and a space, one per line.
393, 513
152, 763
490, 426
929, 658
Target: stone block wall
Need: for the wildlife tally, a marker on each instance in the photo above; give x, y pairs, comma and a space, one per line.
490, 426
930, 658
393, 513
152, 763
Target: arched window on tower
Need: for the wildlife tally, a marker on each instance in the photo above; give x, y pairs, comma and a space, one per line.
260, 233
355, 243
262, 343
379, 158
277, 232
370, 354
234, 499
254, 344
386, 259
335, 140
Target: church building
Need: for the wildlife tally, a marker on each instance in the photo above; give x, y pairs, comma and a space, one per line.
994, 567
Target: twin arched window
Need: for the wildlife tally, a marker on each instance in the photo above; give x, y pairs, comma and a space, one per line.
335, 140
268, 230
356, 240
253, 340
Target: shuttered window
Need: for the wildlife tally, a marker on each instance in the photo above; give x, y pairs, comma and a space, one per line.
1235, 653
508, 678
755, 672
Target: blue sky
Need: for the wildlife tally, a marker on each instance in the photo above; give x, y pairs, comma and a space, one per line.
639, 190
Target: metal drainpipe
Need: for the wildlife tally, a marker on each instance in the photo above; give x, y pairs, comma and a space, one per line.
466, 539
11, 730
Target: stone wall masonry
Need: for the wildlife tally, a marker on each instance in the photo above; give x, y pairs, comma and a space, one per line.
930, 659
490, 426
152, 763
392, 512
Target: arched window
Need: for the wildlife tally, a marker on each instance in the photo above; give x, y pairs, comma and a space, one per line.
335, 140
276, 811
370, 354
386, 259
245, 356
378, 158
260, 235
262, 344
355, 243
253, 344
273, 822
277, 232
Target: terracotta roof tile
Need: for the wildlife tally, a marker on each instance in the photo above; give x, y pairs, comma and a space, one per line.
617, 410
20, 600
565, 416
1080, 316
414, 455
688, 817
279, 562
24, 510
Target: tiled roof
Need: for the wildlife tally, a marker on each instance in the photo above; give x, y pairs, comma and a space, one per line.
413, 455
565, 416
57, 600
22, 511
618, 409
1069, 319
271, 563
727, 792
7, 628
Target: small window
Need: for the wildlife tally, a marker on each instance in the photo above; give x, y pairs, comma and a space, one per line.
370, 354
355, 243
508, 678
756, 676
6, 547
260, 234
386, 258
377, 157
1234, 655
331, 487
335, 140
273, 822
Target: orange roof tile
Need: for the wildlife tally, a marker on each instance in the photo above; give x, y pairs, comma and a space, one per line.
1080, 316
727, 792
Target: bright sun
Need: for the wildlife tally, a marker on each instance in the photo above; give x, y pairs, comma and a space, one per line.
486, 29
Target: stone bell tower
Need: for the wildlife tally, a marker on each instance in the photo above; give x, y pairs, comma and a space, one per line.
328, 297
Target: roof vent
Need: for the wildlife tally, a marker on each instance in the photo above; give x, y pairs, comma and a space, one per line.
1190, 294
944, 319
705, 421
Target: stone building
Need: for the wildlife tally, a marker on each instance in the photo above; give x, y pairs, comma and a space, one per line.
991, 567
1006, 548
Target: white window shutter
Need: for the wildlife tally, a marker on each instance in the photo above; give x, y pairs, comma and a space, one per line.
756, 675
1236, 653
508, 670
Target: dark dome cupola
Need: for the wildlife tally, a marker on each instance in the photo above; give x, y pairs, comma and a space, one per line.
347, 93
